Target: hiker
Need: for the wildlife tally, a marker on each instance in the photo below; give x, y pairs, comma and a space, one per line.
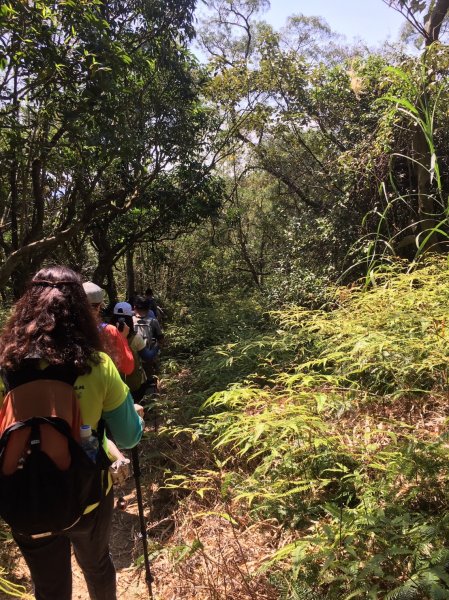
151, 331
137, 380
116, 346
115, 341
146, 325
152, 304
51, 356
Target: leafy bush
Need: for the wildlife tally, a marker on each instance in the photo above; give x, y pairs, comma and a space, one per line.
335, 424
225, 318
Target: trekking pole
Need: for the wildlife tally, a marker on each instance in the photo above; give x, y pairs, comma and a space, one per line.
143, 531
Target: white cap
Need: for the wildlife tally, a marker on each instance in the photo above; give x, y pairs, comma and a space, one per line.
123, 308
94, 293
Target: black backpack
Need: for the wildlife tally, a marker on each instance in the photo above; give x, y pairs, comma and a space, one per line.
46, 478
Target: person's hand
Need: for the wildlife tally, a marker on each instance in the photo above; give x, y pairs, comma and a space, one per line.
139, 410
125, 330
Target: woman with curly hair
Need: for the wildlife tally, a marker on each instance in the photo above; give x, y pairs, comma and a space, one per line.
52, 327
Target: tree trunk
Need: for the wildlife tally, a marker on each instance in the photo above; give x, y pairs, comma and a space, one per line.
434, 19
130, 275
101, 270
103, 275
426, 202
13, 174
27, 257
111, 286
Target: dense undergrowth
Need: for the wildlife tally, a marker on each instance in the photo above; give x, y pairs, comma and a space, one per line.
333, 426
303, 454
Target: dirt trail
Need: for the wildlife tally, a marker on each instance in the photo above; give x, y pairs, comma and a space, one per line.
224, 565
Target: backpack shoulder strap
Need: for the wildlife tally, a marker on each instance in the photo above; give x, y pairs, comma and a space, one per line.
29, 373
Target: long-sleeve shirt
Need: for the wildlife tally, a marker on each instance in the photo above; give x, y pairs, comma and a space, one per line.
102, 393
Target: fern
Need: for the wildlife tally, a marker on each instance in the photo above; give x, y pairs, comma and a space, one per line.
335, 426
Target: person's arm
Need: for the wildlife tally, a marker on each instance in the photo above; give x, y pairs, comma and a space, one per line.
125, 424
119, 412
157, 331
114, 453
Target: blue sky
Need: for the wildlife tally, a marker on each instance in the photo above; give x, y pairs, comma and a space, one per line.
370, 20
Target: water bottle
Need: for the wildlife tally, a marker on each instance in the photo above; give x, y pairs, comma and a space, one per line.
89, 443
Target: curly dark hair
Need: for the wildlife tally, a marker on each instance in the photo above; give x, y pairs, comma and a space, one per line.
53, 321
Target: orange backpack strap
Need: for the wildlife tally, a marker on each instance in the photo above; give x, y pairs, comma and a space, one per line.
39, 393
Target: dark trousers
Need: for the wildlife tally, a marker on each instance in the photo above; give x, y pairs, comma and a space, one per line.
49, 562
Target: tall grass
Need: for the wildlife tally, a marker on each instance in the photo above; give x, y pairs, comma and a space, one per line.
416, 104
335, 425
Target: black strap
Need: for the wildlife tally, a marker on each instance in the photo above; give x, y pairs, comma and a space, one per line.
101, 428
35, 437
59, 424
30, 372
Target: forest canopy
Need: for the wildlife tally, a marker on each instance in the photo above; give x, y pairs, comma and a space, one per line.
306, 160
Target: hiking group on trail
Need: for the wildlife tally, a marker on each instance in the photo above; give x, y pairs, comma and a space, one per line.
133, 339
71, 389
